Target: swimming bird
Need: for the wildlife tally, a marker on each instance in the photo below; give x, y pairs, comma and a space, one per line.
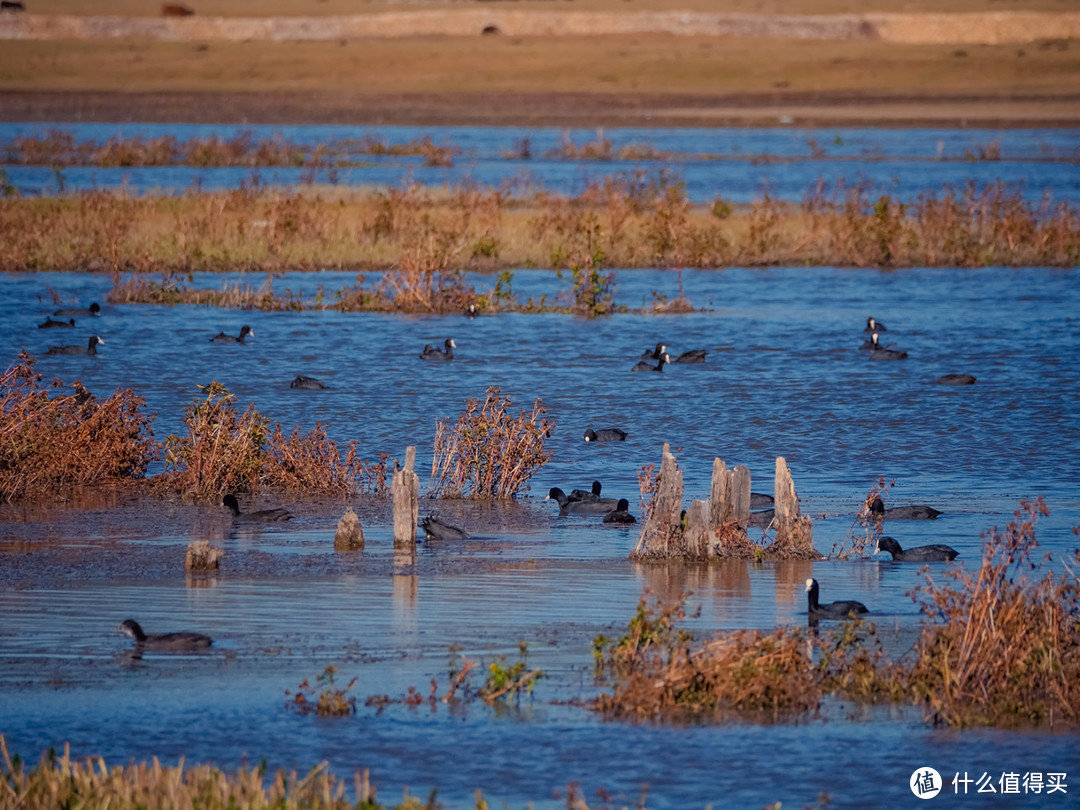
654, 354
436, 529
585, 494
431, 353
955, 379
221, 337
471, 312
89, 312
645, 366
600, 506
260, 516
89, 348
934, 553
307, 383
872, 343
874, 326
833, 610
914, 511
692, 356
621, 513
605, 435
165, 642
51, 324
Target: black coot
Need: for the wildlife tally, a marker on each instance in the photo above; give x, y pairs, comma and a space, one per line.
89, 348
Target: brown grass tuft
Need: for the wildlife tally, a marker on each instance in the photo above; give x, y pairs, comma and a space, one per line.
68, 439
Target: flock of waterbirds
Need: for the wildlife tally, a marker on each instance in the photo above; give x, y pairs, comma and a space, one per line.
579, 502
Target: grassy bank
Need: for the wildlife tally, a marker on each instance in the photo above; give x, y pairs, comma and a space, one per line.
426, 239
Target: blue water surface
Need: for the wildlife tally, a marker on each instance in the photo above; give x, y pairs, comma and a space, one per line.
783, 377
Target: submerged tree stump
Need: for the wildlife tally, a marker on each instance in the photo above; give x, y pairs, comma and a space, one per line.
794, 531
405, 494
729, 510
662, 530
717, 527
349, 535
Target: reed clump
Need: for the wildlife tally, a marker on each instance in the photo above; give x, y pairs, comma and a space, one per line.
1006, 650
226, 450
488, 452
49, 442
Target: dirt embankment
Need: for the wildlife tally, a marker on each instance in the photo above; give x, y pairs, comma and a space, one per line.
987, 28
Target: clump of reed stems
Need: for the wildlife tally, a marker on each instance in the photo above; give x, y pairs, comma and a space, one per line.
488, 452
229, 451
61, 782
865, 529
1007, 649
67, 439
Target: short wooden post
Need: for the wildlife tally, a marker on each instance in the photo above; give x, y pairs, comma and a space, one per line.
794, 531
663, 527
349, 535
405, 494
729, 510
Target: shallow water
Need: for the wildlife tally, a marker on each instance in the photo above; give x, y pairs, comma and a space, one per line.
783, 376
739, 165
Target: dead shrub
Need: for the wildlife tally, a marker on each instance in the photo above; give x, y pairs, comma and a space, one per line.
311, 463
489, 453
68, 439
1008, 649
222, 451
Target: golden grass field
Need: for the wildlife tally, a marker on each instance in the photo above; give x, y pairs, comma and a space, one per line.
662, 79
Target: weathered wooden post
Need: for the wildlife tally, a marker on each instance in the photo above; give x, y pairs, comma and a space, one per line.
663, 527
405, 494
729, 510
349, 535
201, 556
794, 531
696, 536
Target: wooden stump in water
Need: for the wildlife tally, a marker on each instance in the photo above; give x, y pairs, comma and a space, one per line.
696, 536
729, 510
201, 556
405, 494
662, 531
349, 535
794, 531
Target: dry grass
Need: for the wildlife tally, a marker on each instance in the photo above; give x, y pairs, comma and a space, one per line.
62, 782
996, 649
68, 439
489, 453
1007, 651
425, 239
229, 451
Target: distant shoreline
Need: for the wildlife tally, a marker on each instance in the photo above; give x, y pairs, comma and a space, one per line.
577, 110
